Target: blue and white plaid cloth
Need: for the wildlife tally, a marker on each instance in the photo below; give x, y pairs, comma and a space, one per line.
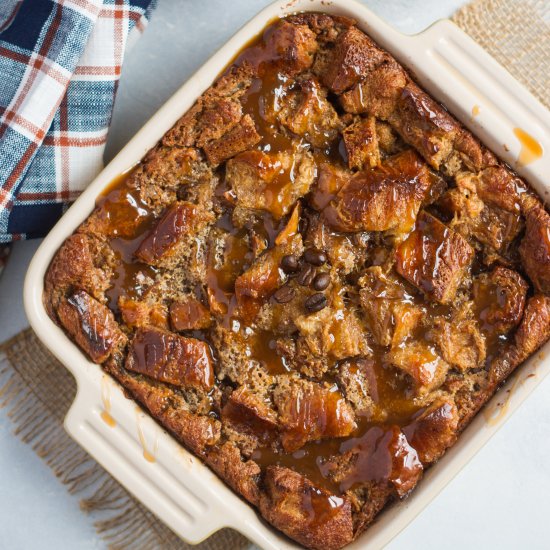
60, 62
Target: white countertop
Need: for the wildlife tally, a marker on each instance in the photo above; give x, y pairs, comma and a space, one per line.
497, 501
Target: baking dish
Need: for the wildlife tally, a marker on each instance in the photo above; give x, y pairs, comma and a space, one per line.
198, 503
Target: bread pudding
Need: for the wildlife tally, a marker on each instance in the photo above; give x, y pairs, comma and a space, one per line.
314, 281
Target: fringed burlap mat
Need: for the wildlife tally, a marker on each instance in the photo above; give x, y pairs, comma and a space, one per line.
38, 391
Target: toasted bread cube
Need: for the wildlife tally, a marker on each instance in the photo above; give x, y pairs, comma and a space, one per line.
386, 198
92, 325
377, 95
84, 262
217, 119
381, 456
242, 476
308, 411
329, 182
293, 47
499, 297
535, 245
420, 361
434, 430
425, 125
270, 182
215, 112
241, 137
460, 342
361, 141
263, 277
434, 258
189, 314
308, 113
249, 413
534, 328
485, 206
161, 246
390, 315
167, 357
357, 378
354, 56
334, 331
309, 514
138, 313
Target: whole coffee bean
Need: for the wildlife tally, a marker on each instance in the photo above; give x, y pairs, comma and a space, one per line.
316, 302
284, 294
289, 263
321, 281
315, 257
306, 276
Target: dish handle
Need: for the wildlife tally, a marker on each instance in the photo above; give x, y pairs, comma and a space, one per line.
155, 469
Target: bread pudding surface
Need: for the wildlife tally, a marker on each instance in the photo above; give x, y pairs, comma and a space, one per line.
314, 280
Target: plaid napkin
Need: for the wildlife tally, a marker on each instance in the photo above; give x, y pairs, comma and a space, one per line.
60, 62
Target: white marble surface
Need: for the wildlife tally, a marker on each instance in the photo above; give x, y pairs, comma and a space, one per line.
498, 500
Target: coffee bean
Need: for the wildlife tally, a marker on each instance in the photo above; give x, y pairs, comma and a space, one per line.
289, 263
284, 294
316, 302
315, 257
306, 276
321, 281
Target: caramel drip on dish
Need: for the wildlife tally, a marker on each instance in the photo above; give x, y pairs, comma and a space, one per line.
531, 149
148, 455
106, 400
495, 414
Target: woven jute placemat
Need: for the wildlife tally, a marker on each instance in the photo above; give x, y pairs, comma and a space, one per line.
37, 390
517, 34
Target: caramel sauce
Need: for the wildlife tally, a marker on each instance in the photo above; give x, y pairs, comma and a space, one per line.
531, 149
394, 406
261, 346
106, 400
308, 461
320, 506
120, 209
262, 103
494, 414
127, 220
148, 455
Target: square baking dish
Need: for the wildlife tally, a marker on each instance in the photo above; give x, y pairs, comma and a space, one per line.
170, 481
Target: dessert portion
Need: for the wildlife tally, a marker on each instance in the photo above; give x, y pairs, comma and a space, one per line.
314, 280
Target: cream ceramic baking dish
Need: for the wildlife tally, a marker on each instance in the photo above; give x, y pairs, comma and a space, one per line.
171, 482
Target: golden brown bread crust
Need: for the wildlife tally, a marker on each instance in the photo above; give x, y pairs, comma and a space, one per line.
314, 281
91, 324
198, 432
386, 198
434, 258
312, 516
166, 357
535, 245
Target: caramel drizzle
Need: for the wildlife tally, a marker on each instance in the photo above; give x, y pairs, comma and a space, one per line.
531, 149
148, 455
106, 400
